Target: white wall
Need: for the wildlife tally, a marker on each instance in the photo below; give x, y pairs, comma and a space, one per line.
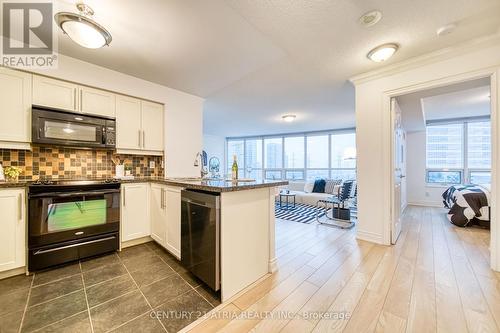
418, 192
373, 125
215, 146
183, 112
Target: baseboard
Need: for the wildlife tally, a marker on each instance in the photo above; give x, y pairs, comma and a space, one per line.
12, 272
426, 204
370, 237
174, 251
137, 241
273, 265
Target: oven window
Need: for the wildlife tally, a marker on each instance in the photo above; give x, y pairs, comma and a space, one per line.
75, 214
69, 131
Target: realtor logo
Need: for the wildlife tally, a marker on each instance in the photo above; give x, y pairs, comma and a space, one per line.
28, 35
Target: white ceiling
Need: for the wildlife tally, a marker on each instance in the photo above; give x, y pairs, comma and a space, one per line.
462, 100
255, 60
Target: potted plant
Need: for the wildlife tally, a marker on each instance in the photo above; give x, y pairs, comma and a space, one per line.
12, 173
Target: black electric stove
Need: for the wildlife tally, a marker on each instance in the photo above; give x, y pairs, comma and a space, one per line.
70, 220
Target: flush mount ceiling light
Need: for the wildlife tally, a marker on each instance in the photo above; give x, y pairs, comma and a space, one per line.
289, 117
82, 29
371, 18
383, 52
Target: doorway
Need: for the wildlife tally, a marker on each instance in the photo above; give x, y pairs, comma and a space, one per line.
442, 139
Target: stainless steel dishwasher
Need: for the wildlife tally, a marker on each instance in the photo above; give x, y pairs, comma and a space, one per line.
200, 235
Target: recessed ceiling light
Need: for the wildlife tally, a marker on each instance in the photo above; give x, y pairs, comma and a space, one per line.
383, 52
371, 18
289, 117
82, 29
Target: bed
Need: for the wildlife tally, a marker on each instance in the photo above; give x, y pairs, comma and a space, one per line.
468, 205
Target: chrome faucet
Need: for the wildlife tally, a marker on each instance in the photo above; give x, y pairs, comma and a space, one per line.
201, 161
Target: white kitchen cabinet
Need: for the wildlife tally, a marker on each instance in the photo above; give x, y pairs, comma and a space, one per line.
135, 211
152, 126
55, 93
158, 208
97, 102
15, 107
13, 235
128, 123
174, 220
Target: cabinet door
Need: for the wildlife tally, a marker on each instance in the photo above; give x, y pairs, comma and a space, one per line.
55, 93
12, 237
135, 211
128, 123
15, 105
174, 220
152, 126
98, 102
158, 201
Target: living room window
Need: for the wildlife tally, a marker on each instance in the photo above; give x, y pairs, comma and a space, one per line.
328, 154
458, 152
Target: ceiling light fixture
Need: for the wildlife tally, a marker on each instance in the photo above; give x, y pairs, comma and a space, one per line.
289, 117
371, 18
446, 29
383, 52
82, 29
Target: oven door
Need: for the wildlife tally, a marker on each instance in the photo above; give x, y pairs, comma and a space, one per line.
58, 217
67, 129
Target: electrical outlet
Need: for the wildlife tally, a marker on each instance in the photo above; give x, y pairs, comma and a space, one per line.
152, 164
427, 194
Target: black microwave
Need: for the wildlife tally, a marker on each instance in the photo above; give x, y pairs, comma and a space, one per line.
62, 128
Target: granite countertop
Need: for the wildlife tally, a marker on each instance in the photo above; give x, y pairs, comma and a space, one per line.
209, 185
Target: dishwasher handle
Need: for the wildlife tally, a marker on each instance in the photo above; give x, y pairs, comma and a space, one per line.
199, 203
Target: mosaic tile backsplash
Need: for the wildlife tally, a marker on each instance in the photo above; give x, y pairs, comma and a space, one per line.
57, 163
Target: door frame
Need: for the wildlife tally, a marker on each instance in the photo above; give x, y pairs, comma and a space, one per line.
388, 123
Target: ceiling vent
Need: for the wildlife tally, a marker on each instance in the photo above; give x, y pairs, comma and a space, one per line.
371, 18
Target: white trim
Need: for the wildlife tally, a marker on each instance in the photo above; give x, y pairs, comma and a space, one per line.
15, 145
134, 242
426, 204
13, 272
139, 152
370, 237
436, 56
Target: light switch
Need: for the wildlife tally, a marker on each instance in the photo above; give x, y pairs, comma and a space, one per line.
151, 164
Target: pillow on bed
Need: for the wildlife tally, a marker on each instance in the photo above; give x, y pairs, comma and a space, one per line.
308, 187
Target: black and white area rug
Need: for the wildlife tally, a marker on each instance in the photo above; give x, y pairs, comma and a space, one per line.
304, 213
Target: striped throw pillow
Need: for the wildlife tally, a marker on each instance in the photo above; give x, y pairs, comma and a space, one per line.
330, 185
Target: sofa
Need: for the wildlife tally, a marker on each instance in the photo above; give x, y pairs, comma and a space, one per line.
304, 194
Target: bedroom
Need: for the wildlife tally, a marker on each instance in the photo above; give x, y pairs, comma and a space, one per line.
443, 154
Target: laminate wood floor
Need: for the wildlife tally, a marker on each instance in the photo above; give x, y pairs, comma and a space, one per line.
435, 279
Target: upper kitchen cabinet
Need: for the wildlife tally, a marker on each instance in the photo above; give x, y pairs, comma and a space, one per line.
97, 102
68, 96
152, 126
15, 106
128, 123
139, 126
55, 93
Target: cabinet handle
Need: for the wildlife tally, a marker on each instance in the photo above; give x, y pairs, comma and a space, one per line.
164, 198
124, 195
143, 139
139, 138
161, 199
74, 98
20, 202
81, 97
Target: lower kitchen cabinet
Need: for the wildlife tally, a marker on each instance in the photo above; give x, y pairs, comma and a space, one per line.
159, 214
135, 211
13, 235
173, 199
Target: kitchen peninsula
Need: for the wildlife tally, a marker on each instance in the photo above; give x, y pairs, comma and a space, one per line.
247, 250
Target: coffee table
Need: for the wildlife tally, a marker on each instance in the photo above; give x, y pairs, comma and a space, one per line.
287, 196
